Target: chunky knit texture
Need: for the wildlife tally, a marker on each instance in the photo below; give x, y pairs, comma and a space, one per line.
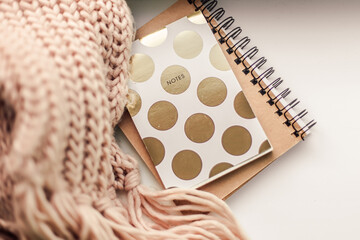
63, 73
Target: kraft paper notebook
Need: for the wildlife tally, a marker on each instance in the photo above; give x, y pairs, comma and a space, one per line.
278, 115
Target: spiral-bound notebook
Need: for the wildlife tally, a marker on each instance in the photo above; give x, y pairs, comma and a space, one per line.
269, 100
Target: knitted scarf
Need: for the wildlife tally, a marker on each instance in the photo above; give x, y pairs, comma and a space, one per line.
63, 73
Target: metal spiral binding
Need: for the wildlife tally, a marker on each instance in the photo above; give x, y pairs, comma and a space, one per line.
226, 23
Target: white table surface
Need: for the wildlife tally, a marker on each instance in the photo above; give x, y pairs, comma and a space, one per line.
313, 191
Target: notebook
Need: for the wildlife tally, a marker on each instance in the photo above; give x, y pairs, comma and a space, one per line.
188, 106
277, 114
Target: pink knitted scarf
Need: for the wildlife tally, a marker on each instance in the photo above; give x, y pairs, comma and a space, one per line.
63, 73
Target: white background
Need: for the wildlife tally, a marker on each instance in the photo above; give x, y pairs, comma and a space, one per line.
313, 191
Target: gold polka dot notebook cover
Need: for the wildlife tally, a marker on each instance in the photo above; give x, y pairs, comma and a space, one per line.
188, 106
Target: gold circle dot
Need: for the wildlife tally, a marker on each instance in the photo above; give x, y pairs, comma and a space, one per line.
220, 167
188, 44
211, 91
162, 115
186, 164
134, 102
242, 106
175, 79
154, 39
142, 67
218, 59
236, 140
199, 127
264, 146
155, 148
197, 18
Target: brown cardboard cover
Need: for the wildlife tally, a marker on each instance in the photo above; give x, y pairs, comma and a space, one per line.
279, 135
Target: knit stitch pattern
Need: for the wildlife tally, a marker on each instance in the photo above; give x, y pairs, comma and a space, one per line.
63, 74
